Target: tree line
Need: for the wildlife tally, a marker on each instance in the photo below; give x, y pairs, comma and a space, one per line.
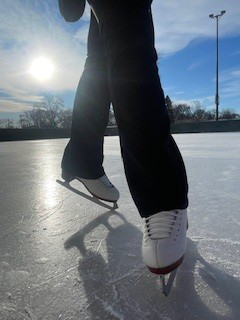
196, 112
51, 113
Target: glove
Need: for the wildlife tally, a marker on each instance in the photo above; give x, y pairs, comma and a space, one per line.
72, 10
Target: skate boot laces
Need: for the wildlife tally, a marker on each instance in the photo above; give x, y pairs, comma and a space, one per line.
160, 225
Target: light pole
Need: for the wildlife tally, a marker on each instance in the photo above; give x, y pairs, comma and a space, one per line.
218, 16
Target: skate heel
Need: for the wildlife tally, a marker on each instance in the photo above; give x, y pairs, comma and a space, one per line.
67, 177
168, 269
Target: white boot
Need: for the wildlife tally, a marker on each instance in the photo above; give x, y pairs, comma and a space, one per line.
164, 240
101, 188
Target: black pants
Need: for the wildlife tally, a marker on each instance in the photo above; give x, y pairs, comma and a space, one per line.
121, 68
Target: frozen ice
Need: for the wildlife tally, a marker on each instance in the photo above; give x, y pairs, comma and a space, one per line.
65, 255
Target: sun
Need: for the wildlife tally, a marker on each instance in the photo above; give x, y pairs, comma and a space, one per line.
42, 69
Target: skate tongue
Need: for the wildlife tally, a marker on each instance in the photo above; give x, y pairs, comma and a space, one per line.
160, 225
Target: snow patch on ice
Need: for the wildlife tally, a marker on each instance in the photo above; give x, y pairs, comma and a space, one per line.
42, 260
10, 310
7, 255
113, 312
4, 264
59, 232
9, 295
107, 307
115, 221
17, 276
210, 298
29, 313
228, 241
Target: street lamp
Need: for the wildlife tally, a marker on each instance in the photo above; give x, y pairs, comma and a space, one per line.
218, 16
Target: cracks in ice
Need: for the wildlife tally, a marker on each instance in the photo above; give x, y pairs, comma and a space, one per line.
54, 277
30, 314
99, 246
15, 229
107, 307
27, 315
223, 240
137, 311
115, 281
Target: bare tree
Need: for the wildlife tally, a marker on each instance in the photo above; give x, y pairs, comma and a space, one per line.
229, 113
6, 123
33, 118
181, 111
45, 114
25, 120
198, 111
210, 114
51, 107
65, 119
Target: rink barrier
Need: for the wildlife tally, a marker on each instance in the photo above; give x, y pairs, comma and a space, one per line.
206, 126
181, 127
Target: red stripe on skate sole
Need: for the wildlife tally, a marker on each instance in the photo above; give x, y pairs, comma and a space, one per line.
168, 269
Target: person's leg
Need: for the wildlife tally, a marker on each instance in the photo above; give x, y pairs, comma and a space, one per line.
83, 156
153, 164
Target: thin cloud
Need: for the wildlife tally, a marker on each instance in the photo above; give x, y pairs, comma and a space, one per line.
202, 100
29, 30
235, 53
177, 23
13, 106
82, 34
194, 65
230, 82
231, 88
179, 92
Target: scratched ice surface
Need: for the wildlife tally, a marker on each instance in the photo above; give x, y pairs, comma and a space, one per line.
63, 256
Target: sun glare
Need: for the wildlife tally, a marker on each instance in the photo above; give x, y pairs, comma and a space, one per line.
42, 69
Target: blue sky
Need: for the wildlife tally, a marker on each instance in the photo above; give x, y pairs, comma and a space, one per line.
185, 42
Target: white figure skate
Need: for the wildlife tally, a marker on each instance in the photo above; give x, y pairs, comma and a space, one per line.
164, 244
100, 188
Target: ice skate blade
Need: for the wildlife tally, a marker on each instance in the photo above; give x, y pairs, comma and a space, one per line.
168, 269
91, 198
68, 178
166, 287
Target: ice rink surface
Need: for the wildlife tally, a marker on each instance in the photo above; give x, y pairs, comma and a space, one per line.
63, 256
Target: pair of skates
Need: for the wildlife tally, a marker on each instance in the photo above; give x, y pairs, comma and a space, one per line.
164, 232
